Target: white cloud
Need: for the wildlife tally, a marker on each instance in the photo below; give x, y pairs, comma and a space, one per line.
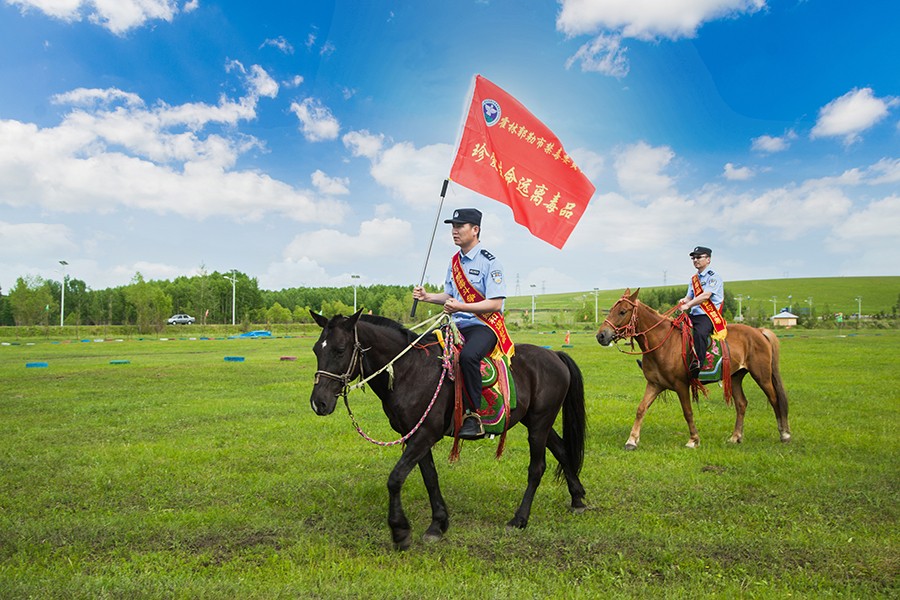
293, 82
886, 170
23, 240
787, 212
330, 185
414, 175
259, 82
733, 173
114, 152
363, 143
851, 114
645, 20
280, 43
604, 54
377, 238
118, 16
772, 144
639, 169
316, 120
648, 19
878, 220
291, 273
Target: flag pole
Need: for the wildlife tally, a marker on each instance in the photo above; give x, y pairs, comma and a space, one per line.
437, 218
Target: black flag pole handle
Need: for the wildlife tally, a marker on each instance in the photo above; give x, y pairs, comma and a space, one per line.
437, 218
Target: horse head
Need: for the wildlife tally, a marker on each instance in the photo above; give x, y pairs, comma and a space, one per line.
337, 360
620, 322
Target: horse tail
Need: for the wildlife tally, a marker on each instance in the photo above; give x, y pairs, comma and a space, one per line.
780, 393
574, 419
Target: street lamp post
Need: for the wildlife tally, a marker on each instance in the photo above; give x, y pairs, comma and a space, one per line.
774, 306
858, 310
354, 278
233, 280
532, 303
790, 304
596, 313
62, 294
740, 315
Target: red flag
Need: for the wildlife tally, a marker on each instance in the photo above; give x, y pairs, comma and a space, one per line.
507, 154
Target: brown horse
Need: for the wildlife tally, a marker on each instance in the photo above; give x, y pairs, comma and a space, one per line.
752, 350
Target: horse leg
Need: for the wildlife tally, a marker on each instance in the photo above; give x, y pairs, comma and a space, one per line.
740, 406
650, 393
537, 445
684, 395
401, 532
440, 520
764, 380
555, 443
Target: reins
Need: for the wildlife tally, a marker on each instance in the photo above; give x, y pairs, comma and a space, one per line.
356, 357
629, 330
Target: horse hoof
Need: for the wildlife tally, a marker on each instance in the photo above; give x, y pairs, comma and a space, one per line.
735, 440
516, 523
692, 444
629, 446
785, 438
432, 538
404, 543
577, 510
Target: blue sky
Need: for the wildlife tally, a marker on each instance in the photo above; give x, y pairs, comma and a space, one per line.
304, 142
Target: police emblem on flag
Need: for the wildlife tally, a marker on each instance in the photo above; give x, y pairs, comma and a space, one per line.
491, 111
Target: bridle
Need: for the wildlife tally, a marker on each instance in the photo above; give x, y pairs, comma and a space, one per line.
359, 351
358, 355
629, 330
348, 375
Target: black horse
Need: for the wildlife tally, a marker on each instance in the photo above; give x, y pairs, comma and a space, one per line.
545, 381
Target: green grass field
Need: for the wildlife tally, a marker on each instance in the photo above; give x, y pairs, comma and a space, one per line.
823, 294
181, 475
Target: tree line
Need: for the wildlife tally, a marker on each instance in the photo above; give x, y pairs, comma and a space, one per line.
208, 297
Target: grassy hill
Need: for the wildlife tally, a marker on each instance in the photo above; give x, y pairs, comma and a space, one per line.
824, 294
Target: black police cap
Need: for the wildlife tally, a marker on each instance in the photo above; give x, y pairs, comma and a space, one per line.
465, 215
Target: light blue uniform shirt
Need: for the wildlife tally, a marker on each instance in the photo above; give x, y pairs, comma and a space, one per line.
486, 275
710, 282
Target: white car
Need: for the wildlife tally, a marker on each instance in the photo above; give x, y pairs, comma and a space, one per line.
181, 320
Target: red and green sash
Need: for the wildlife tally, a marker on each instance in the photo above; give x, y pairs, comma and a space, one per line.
718, 321
493, 320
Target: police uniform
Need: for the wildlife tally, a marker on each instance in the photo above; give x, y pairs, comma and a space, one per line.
485, 272
703, 327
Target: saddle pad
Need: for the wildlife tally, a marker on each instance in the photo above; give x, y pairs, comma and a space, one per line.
711, 371
492, 413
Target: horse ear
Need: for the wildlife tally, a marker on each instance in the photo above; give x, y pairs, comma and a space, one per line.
322, 321
634, 296
627, 292
352, 319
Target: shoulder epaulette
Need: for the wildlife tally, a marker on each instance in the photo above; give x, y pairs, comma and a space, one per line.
487, 254
710, 272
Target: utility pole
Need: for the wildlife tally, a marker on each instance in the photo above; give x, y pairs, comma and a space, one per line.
232, 279
354, 278
62, 298
532, 303
740, 299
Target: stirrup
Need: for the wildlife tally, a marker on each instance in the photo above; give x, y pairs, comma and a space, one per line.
471, 432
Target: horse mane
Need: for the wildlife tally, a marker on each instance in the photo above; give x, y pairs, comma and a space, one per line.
387, 323
653, 310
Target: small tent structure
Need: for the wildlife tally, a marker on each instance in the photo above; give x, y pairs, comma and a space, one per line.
784, 319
